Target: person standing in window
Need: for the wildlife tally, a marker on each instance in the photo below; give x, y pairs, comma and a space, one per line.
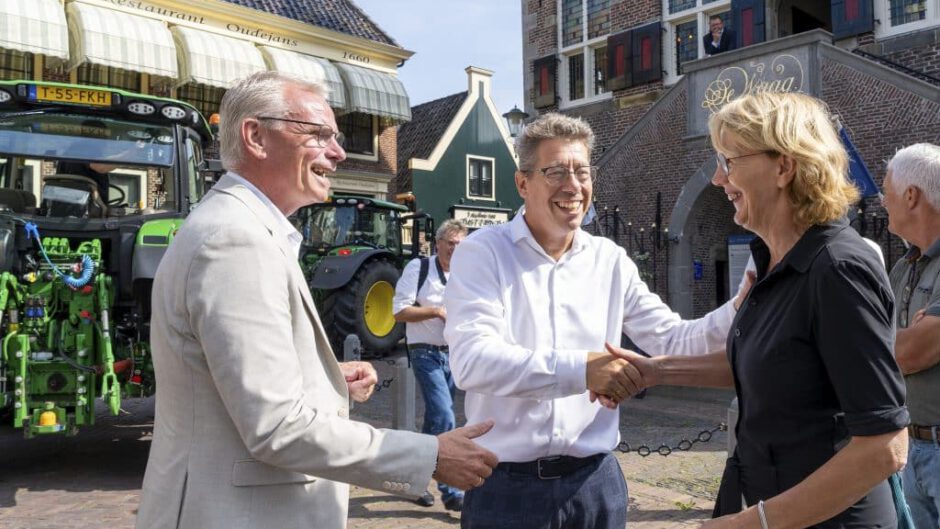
419, 302
718, 39
912, 200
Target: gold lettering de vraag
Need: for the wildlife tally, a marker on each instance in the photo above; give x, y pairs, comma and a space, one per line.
785, 74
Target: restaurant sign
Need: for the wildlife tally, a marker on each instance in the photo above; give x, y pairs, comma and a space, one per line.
478, 218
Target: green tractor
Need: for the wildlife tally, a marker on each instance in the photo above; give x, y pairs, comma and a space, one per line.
94, 184
352, 256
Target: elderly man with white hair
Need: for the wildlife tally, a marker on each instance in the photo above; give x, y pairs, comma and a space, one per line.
912, 198
252, 421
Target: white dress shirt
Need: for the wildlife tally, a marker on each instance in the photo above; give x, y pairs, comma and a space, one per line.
520, 325
287, 228
431, 295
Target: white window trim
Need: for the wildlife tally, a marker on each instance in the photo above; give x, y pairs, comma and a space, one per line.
700, 13
585, 46
884, 29
467, 194
374, 157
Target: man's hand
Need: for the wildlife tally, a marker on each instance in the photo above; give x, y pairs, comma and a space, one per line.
441, 313
647, 368
360, 379
462, 463
613, 377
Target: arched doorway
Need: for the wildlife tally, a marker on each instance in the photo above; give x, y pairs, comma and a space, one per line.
703, 219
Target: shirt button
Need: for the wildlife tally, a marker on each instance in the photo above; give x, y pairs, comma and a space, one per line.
737, 333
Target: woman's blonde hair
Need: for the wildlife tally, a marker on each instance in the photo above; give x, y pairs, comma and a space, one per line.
798, 126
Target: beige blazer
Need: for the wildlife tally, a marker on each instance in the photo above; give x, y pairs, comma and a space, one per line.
252, 425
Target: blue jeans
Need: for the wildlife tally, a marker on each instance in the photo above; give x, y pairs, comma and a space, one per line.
432, 371
592, 497
921, 479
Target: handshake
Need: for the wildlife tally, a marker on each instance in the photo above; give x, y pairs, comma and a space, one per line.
619, 374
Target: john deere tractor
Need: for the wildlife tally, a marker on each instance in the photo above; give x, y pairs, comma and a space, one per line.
94, 183
353, 255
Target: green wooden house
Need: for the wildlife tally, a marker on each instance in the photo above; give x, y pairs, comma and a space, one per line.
456, 156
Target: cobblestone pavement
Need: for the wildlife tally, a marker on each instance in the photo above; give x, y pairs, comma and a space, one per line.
93, 480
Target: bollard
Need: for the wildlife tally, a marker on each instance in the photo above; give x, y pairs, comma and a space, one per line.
352, 352
403, 416
732, 422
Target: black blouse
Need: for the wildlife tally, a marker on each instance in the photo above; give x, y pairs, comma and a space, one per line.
812, 351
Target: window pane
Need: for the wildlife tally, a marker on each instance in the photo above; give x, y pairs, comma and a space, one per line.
487, 177
680, 5
600, 70
205, 98
16, 65
357, 127
475, 178
905, 11
576, 76
598, 13
571, 18
686, 42
709, 1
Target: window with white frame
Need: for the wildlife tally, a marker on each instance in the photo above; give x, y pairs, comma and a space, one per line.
582, 36
903, 16
480, 177
686, 22
361, 131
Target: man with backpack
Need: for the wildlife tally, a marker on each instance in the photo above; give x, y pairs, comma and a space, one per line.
419, 302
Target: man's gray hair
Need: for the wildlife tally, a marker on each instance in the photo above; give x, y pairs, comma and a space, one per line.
451, 226
260, 94
918, 165
550, 126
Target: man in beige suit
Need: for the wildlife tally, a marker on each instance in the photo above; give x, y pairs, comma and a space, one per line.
252, 425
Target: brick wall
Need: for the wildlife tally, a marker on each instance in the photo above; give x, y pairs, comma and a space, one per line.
388, 154
918, 50
708, 229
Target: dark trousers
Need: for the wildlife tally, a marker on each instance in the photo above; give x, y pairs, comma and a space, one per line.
592, 497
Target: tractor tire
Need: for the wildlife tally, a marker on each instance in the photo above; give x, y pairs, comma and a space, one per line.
364, 307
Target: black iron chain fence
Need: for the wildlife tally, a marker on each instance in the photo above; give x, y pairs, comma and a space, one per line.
664, 449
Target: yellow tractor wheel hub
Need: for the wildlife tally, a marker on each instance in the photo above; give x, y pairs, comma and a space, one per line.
47, 418
378, 308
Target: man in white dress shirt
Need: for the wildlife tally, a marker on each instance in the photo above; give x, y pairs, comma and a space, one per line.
531, 304
419, 302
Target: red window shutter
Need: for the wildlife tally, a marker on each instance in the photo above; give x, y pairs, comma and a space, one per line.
619, 64
543, 80
747, 26
851, 10
646, 54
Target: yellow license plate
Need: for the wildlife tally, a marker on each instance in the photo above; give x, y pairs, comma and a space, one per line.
66, 94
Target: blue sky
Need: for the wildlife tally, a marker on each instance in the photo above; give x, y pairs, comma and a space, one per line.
449, 35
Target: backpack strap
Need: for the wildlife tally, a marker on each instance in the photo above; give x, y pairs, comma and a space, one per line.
422, 277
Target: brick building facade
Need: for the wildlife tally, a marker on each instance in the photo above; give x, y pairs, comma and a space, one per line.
637, 72
193, 50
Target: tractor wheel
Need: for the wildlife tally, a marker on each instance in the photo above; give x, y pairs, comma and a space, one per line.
364, 307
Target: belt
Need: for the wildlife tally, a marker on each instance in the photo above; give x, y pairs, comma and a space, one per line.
441, 348
924, 433
552, 467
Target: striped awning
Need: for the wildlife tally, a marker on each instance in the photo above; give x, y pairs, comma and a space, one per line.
215, 60
307, 67
34, 27
120, 40
376, 93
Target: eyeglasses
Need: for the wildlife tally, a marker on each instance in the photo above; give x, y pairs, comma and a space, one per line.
723, 163
322, 133
557, 174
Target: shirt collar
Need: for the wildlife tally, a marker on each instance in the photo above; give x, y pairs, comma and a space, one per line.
284, 225
801, 256
933, 251
519, 230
